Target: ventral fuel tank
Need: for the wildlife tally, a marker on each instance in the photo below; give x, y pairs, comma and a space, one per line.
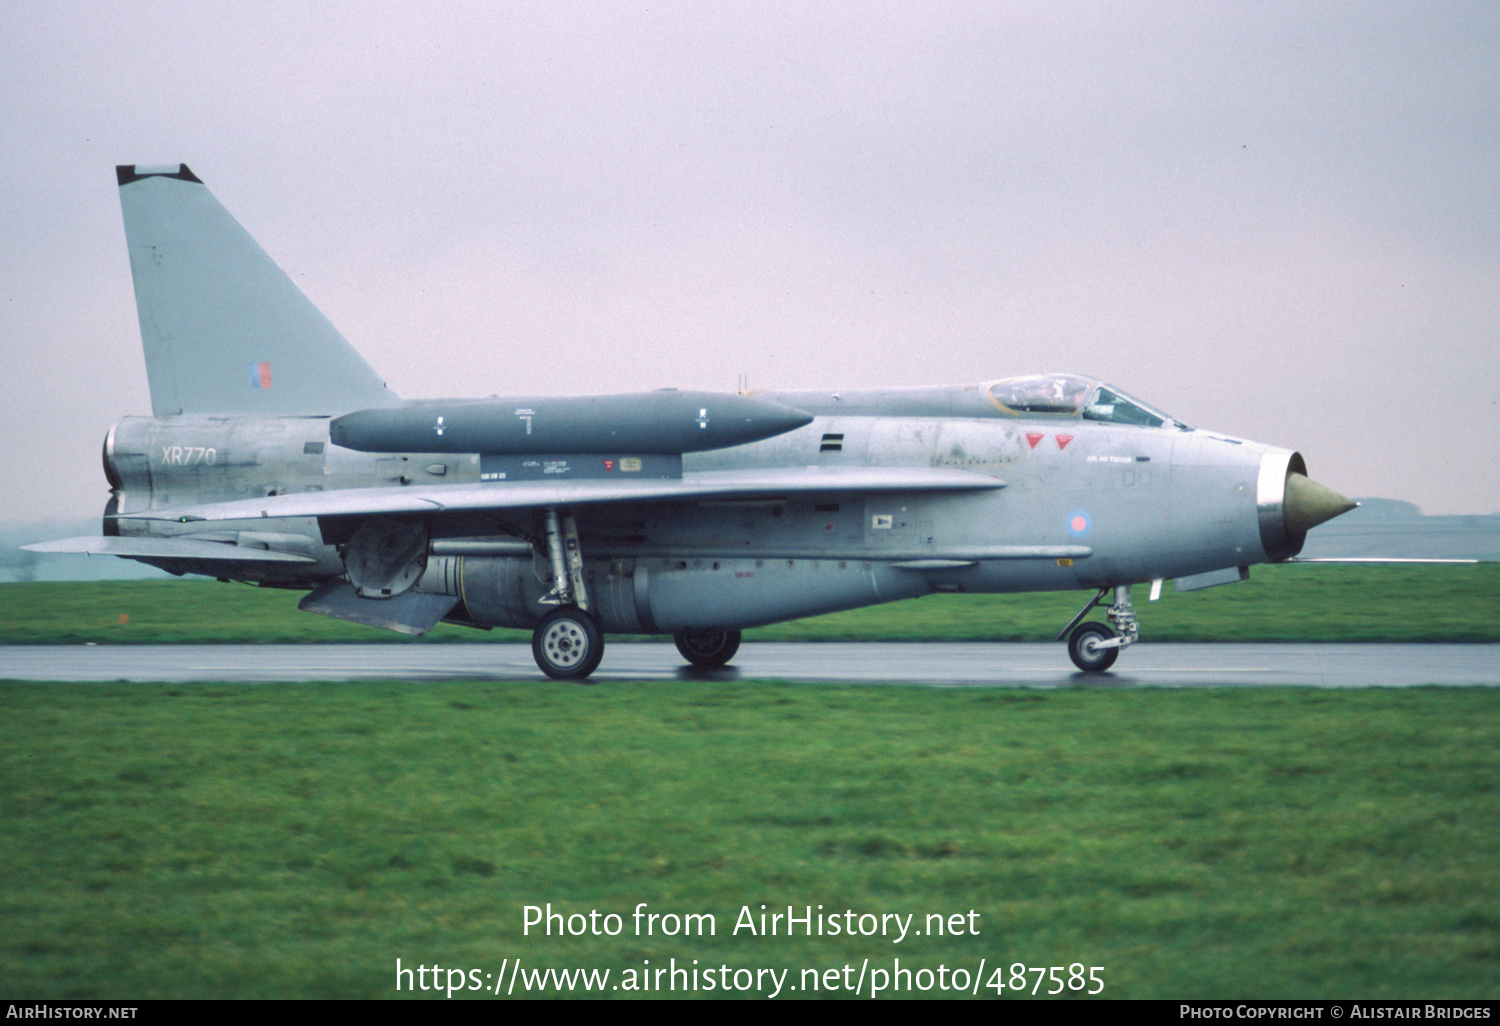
665, 422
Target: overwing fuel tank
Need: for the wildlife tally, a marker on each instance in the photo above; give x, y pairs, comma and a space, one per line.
666, 422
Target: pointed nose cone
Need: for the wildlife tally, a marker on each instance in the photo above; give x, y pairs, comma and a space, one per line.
782, 419
1309, 504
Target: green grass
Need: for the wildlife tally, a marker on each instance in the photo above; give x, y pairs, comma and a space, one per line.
224, 841
1278, 603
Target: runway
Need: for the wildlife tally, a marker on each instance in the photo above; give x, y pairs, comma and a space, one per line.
933, 664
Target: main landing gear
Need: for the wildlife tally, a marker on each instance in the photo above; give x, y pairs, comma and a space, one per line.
708, 650
1094, 646
568, 643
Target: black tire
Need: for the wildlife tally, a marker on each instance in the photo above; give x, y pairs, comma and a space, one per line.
1081, 648
568, 644
708, 649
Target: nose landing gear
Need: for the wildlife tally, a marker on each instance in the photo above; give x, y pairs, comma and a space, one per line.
1093, 646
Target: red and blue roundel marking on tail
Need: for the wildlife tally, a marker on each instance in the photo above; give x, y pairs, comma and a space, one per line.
260, 375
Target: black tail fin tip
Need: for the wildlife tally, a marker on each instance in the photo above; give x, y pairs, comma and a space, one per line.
127, 173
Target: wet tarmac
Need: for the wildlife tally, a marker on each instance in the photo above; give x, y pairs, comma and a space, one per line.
934, 664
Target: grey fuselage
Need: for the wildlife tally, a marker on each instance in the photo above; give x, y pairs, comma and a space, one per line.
1084, 504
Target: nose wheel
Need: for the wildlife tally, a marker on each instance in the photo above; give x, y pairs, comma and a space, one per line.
1085, 647
1094, 646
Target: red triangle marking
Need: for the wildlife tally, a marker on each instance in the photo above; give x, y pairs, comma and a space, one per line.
1035, 440
1063, 440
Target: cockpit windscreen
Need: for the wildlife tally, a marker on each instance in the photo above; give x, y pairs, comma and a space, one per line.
1109, 405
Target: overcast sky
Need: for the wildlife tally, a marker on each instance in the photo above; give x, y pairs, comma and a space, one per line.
1278, 220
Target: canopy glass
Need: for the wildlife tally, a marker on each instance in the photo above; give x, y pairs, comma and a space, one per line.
1070, 395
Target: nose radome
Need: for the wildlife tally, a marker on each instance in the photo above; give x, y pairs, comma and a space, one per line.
1309, 504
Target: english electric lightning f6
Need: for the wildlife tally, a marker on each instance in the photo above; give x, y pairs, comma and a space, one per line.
276, 455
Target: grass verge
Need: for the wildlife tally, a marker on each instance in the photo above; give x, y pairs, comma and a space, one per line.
1451, 603
294, 841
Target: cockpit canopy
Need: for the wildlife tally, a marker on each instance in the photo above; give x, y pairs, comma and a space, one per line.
1069, 395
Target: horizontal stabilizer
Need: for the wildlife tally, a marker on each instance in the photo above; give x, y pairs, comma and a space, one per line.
715, 484
165, 548
410, 612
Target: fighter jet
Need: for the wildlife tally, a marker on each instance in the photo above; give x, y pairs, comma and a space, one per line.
274, 454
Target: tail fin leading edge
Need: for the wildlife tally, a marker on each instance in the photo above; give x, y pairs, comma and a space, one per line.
223, 327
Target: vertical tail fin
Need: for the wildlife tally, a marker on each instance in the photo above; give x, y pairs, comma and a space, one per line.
224, 329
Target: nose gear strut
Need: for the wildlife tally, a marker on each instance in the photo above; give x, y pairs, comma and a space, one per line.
1094, 647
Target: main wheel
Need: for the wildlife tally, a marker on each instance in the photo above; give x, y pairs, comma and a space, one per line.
1083, 647
708, 649
568, 645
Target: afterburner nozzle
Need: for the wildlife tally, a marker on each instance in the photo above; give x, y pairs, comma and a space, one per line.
1309, 504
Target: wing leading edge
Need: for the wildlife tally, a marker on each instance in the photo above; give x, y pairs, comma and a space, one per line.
717, 484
